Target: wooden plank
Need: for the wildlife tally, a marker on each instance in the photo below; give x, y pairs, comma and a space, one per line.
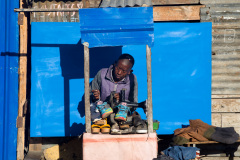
86, 87
225, 96
225, 105
176, 13
167, 2
206, 142
35, 144
230, 119
149, 88
217, 119
22, 92
86, 3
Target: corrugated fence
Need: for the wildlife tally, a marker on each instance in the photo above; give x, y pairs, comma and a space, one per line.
225, 16
8, 79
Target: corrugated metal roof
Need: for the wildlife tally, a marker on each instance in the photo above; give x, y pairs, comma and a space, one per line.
225, 18
125, 3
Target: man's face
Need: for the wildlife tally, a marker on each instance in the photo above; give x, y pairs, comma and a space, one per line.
121, 69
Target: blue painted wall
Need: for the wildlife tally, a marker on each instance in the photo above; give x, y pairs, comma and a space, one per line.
181, 72
8, 79
57, 107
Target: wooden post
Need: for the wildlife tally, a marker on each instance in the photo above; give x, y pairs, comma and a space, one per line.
22, 92
149, 86
86, 86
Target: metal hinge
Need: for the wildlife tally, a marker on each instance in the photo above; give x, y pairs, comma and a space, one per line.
19, 122
20, 19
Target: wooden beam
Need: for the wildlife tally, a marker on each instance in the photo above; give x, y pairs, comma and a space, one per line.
86, 86
207, 142
225, 105
170, 2
149, 88
22, 91
35, 144
86, 3
176, 13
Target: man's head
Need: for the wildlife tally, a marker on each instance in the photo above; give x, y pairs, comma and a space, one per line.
123, 67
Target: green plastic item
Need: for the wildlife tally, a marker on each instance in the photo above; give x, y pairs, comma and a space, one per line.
156, 125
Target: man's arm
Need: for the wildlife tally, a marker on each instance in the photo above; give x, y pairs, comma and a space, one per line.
133, 95
96, 85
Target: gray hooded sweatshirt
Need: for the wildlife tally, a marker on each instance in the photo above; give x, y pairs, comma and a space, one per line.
104, 82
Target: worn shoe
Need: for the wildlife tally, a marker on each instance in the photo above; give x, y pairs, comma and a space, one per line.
136, 118
95, 129
115, 129
142, 127
95, 114
122, 112
105, 129
100, 122
123, 125
104, 109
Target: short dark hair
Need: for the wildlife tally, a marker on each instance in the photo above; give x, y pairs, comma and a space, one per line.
128, 57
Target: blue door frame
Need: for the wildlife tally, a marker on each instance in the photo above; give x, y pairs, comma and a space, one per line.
9, 37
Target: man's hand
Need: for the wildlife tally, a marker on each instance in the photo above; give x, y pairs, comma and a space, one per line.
96, 94
116, 96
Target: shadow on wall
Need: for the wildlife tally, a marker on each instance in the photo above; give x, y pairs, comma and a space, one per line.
72, 66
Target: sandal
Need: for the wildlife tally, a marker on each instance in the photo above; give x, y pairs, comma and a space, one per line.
105, 129
101, 122
95, 129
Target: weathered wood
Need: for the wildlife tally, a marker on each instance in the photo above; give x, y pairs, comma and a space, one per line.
230, 119
217, 119
206, 142
22, 92
226, 105
87, 93
47, 10
149, 85
94, 3
225, 96
176, 13
166, 2
35, 144
71, 150
21, 142
86, 3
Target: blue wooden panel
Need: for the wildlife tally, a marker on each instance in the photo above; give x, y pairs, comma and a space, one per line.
131, 26
181, 70
57, 107
8, 79
181, 73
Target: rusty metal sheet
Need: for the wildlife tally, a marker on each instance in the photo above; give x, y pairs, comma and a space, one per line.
125, 3
225, 17
170, 2
57, 16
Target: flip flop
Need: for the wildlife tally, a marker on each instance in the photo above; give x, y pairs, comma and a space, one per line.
95, 129
105, 129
